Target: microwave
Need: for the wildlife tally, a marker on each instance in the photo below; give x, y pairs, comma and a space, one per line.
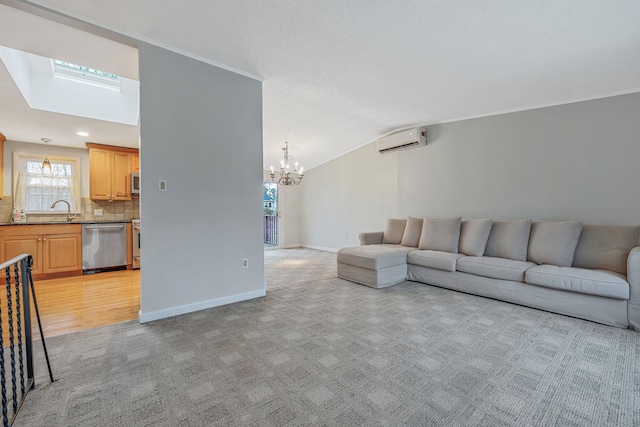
135, 183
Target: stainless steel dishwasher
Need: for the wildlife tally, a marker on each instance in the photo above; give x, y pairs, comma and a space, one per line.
104, 247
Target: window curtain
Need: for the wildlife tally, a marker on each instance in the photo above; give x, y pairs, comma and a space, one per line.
36, 188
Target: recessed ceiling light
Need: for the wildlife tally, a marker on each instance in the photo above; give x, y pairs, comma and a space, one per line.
82, 133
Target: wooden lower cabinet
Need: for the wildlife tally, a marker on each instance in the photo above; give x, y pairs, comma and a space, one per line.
56, 249
17, 245
61, 253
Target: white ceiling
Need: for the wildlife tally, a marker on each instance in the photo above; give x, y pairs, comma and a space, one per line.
36, 35
338, 74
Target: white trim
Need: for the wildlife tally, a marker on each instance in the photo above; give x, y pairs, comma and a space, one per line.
202, 305
295, 245
320, 248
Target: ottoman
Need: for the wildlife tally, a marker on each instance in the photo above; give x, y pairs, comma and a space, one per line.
377, 266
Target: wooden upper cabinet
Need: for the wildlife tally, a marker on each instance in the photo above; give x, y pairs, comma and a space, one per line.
135, 162
110, 172
2, 140
120, 175
100, 174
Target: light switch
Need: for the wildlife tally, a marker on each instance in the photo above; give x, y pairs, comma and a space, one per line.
162, 185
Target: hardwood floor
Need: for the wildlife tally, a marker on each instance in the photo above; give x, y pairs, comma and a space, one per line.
82, 302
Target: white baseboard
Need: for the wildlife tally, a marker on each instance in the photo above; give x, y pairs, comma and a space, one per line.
320, 248
295, 245
203, 305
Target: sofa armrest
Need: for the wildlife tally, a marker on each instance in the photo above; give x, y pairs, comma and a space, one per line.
373, 238
633, 277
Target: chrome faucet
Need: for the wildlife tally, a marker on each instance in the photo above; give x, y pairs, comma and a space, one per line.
69, 217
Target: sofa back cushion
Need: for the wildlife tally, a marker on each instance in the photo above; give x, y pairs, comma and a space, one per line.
440, 234
412, 231
605, 247
509, 239
553, 242
474, 234
394, 231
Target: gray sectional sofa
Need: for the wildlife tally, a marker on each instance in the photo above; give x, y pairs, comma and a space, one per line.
586, 271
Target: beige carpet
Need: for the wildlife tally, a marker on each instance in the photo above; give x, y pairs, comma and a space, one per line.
318, 350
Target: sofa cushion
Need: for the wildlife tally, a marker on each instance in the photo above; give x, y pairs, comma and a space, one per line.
474, 234
605, 247
553, 242
434, 259
593, 282
440, 234
374, 257
509, 239
394, 231
495, 268
412, 231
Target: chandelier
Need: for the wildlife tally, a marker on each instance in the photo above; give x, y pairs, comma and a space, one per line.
285, 170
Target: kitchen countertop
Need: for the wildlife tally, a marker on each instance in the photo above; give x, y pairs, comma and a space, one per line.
67, 222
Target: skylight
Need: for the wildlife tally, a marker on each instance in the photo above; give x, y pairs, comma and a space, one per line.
79, 73
65, 88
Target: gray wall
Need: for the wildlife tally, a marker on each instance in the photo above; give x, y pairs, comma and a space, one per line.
353, 193
201, 131
571, 162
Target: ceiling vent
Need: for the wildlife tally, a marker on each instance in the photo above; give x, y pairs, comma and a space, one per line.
404, 139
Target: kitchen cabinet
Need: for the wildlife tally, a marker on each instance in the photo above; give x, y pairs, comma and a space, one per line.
56, 249
2, 140
135, 162
12, 246
110, 172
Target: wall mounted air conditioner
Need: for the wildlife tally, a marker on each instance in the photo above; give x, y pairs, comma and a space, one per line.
409, 138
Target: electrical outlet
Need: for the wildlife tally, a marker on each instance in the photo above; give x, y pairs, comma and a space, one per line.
162, 185
245, 263
98, 212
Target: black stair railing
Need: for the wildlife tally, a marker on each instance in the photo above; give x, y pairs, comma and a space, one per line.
15, 327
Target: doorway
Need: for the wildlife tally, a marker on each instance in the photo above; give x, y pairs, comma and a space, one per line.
271, 215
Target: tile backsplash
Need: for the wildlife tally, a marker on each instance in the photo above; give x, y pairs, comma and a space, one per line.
112, 211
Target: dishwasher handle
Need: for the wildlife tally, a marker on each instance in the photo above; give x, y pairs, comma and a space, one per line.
103, 227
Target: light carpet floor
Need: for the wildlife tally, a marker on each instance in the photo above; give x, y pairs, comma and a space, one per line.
318, 350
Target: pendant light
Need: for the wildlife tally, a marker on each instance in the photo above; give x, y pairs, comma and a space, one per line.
46, 164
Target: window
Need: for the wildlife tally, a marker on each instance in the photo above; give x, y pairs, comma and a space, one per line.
82, 74
36, 188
